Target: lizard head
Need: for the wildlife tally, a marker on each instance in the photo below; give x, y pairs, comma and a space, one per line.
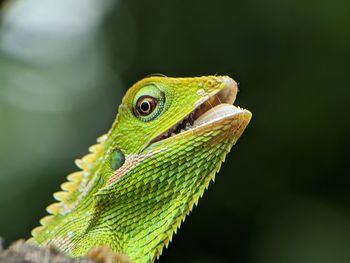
159, 110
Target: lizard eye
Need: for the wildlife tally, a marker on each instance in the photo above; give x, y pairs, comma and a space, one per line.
148, 103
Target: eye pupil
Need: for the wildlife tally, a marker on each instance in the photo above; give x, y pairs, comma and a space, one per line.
145, 106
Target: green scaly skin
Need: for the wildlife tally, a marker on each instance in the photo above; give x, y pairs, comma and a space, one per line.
135, 207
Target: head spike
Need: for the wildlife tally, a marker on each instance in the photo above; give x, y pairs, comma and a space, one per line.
76, 176
61, 196
45, 220
54, 208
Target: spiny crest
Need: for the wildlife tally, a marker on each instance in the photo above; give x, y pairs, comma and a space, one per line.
76, 182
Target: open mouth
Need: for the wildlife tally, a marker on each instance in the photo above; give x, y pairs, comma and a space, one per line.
216, 107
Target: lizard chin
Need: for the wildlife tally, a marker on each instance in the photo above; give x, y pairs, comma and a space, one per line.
214, 108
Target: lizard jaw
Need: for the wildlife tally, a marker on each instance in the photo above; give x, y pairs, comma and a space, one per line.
212, 109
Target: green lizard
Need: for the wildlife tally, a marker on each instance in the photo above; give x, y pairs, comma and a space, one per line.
144, 176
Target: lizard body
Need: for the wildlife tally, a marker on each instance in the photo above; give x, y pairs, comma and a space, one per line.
144, 176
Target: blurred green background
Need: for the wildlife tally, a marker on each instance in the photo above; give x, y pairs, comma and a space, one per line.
282, 195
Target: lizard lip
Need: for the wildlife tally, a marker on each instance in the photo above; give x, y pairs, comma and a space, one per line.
211, 109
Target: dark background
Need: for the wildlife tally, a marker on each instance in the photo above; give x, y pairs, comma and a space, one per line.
283, 193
